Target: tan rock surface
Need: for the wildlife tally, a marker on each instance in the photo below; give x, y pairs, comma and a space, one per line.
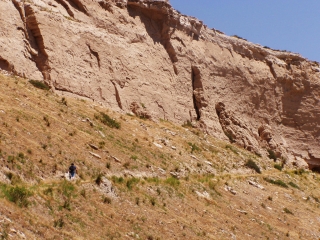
145, 57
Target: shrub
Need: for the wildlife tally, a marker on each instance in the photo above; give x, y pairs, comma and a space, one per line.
48, 191
131, 182
39, 84
292, 184
286, 210
10, 159
153, 201
98, 180
230, 136
18, 195
278, 166
194, 147
102, 144
299, 171
46, 119
272, 155
236, 36
134, 157
108, 165
58, 223
276, 182
187, 124
64, 101
66, 204
107, 200
106, 120
116, 179
251, 164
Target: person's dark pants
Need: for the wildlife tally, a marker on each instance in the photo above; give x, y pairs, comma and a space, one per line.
72, 174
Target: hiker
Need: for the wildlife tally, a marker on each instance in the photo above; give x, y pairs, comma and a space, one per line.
72, 171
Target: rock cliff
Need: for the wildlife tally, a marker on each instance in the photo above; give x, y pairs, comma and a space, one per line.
147, 58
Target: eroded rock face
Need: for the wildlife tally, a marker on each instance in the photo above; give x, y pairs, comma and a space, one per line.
144, 56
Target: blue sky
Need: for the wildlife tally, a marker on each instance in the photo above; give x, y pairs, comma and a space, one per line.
292, 25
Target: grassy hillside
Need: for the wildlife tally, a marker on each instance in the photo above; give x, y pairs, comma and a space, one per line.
137, 179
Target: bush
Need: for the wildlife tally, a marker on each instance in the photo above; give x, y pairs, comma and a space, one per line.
272, 155
39, 84
58, 223
276, 182
236, 36
230, 136
194, 147
299, 171
131, 182
106, 120
292, 184
153, 201
187, 124
18, 195
107, 200
251, 164
99, 179
286, 210
278, 166
116, 179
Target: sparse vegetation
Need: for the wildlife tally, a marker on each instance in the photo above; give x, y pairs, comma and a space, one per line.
18, 195
194, 147
276, 182
230, 136
251, 164
272, 155
174, 182
278, 166
286, 210
39, 84
147, 182
187, 124
105, 119
236, 36
292, 184
98, 180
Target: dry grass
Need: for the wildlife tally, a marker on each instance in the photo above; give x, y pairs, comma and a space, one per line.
173, 192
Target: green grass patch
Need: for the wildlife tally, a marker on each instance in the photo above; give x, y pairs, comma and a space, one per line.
131, 182
67, 188
18, 195
251, 164
39, 84
194, 147
292, 184
107, 120
278, 166
116, 179
299, 171
174, 182
276, 182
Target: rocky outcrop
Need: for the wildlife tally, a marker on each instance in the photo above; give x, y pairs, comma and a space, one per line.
143, 56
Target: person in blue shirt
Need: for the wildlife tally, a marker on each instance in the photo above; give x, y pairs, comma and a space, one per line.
72, 171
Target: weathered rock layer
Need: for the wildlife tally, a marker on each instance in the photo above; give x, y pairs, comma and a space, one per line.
147, 58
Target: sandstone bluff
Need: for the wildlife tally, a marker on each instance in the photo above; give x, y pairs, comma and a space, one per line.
147, 58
